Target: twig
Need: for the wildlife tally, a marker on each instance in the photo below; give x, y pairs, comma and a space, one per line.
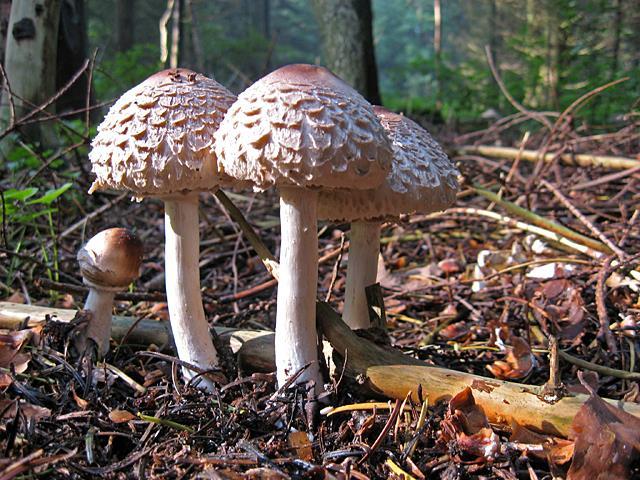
45, 283
581, 159
531, 114
335, 269
90, 216
585, 221
601, 308
383, 433
601, 369
597, 247
605, 179
577, 104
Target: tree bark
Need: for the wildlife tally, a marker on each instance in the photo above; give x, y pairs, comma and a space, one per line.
347, 43
5, 11
72, 52
30, 64
125, 24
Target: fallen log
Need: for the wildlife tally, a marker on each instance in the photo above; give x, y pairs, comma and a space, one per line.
254, 348
382, 371
391, 374
581, 159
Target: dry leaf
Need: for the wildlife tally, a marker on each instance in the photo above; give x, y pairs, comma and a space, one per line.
555, 450
518, 362
558, 303
607, 440
11, 341
9, 409
466, 423
300, 442
121, 416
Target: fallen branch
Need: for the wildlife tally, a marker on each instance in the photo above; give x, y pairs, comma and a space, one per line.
581, 159
391, 374
381, 371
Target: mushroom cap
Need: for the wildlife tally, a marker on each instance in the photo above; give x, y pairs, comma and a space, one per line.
157, 138
303, 126
111, 259
422, 178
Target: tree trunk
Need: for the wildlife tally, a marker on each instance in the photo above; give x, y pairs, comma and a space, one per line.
617, 29
175, 57
437, 50
5, 11
347, 43
125, 24
72, 52
30, 63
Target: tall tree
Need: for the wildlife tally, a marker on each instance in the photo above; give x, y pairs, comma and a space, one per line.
125, 24
72, 53
347, 43
5, 11
30, 65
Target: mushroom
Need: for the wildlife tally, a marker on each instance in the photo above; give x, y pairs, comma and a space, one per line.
157, 140
422, 180
109, 262
303, 130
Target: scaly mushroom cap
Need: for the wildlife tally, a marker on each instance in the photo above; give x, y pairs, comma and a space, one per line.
158, 137
111, 259
422, 178
303, 126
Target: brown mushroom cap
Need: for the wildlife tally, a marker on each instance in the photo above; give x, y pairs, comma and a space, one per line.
158, 137
111, 259
303, 126
422, 178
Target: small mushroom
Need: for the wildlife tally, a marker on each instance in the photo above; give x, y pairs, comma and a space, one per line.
303, 130
109, 262
422, 180
157, 141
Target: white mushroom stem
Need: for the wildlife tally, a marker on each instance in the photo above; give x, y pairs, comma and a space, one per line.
296, 338
182, 276
364, 248
100, 303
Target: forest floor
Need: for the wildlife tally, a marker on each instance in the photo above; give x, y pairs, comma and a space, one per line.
464, 289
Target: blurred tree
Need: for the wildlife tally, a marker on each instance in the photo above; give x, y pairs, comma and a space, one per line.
347, 43
125, 24
72, 53
30, 65
5, 11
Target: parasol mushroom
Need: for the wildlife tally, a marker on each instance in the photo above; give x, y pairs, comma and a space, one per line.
157, 141
109, 262
422, 180
303, 130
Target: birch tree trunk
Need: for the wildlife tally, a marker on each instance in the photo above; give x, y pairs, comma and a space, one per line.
30, 64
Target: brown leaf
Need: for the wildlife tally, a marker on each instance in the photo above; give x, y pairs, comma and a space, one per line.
466, 423
10, 343
555, 450
9, 409
607, 440
518, 362
455, 331
300, 442
559, 302
121, 416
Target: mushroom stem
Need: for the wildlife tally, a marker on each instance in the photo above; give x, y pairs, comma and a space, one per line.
182, 276
361, 272
100, 304
296, 338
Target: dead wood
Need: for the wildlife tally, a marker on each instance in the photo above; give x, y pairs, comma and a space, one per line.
382, 371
